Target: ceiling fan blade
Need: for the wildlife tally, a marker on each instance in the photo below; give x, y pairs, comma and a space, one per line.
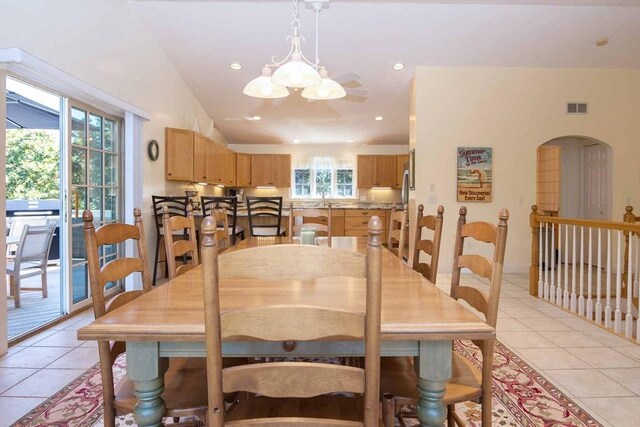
347, 77
356, 92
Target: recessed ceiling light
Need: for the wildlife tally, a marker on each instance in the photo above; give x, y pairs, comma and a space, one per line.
399, 66
602, 42
378, 118
254, 118
295, 141
351, 140
235, 66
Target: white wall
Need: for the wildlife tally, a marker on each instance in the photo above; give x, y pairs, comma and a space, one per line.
514, 110
106, 45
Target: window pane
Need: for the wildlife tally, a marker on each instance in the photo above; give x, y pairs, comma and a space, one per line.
95, 131
302, 176
78, 166
111, 204
78, 253
80, 282
323, 182
110, 135
95, 203
78, 126
79, 204
110, 169
95, 167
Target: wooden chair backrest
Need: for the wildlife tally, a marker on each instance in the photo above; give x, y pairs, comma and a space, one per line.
119, 268
222, 229
316, 214
264, 207
228, 204
489, 269
430, 247
303, 322
396, 238
179, 247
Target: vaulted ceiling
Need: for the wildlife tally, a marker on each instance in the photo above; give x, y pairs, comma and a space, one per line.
202, 38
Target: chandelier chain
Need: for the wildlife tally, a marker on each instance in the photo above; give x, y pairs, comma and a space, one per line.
295, 24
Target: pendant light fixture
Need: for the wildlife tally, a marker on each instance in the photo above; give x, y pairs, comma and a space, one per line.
295, 70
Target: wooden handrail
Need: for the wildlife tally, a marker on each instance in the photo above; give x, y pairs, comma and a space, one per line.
611, 225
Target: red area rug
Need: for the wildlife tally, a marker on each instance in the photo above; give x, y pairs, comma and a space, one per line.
521, 397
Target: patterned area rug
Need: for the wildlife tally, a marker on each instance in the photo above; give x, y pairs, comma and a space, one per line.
521, 397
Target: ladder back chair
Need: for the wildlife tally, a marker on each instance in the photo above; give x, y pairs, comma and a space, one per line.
265, 216
184, 248
30, 260
184, 391
467, 383
396, 239
230, 205
223, 241
320, 220
290, 391
177, 206
430, 247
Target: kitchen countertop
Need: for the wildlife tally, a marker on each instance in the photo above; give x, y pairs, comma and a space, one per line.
242, 209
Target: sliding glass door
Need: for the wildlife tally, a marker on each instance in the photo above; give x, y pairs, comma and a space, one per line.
95, 184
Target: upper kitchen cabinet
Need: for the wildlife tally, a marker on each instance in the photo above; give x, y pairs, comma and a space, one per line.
401, 160
201, 151
376, 171
179, 154
271, 170
243, 170
222, 164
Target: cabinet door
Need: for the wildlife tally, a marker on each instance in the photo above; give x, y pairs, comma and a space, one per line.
178, 154
243, 170
260, 170
401, 159
386, 171
281, 170
366, 171
337, 222
231, 168
200, 156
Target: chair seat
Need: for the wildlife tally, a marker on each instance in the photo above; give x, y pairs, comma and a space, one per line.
267, 231
26, 268
323, 407
185, 386
398, 377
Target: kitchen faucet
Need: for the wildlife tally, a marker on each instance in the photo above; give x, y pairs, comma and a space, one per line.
323, 205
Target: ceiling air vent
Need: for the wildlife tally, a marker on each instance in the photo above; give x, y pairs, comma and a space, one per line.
576, 108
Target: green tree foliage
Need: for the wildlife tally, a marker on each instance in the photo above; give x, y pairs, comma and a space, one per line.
33, 158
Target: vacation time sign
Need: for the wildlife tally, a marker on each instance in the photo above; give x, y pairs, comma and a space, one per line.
475, 174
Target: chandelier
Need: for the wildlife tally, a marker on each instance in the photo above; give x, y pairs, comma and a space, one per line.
295, 70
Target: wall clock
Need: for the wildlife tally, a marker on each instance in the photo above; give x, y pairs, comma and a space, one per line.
153, 150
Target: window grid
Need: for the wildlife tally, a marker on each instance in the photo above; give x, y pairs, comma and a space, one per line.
337, 182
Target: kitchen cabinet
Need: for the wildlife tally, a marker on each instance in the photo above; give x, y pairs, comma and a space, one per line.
401, 159
243, 170
271, 170
376, 171
201, 149
179, 150
337, 222
356, 222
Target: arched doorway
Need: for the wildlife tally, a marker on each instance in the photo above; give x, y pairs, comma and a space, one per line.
575, 177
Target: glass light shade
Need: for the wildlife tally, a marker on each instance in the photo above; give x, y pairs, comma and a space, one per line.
328, 89
263, 87
296, 73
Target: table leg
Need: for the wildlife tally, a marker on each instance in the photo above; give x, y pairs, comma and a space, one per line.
146, 370
434, 370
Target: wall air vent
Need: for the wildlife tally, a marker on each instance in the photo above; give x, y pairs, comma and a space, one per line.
576, 108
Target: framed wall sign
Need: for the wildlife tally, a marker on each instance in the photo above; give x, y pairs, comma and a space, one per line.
475, 174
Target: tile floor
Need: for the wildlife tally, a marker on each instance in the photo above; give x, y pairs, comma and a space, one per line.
598, 370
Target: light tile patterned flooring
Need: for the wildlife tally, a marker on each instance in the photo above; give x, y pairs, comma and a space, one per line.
598, 370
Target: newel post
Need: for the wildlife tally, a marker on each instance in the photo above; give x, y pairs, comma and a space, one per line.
630, 217
535, 251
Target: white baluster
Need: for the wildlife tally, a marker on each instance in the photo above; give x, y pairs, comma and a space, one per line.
618, 312
547, 252
558, 296
565, 294
599, 281
574, 272
636, 283
607, 271
589, 313
628, 318
581, 296
540, 261
552, 287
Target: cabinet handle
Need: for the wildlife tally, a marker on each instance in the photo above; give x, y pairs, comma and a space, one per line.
169, 174
365, 213
365, 222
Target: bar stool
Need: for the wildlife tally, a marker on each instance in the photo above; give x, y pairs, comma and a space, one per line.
230, 206
177, 205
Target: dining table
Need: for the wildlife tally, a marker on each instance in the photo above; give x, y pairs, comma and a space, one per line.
418, 320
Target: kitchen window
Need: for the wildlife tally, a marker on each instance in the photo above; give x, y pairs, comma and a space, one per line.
315, 176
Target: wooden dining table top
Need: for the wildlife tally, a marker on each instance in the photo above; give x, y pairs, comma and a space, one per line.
412, 307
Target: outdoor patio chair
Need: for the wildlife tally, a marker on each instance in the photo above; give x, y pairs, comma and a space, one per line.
30, 260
